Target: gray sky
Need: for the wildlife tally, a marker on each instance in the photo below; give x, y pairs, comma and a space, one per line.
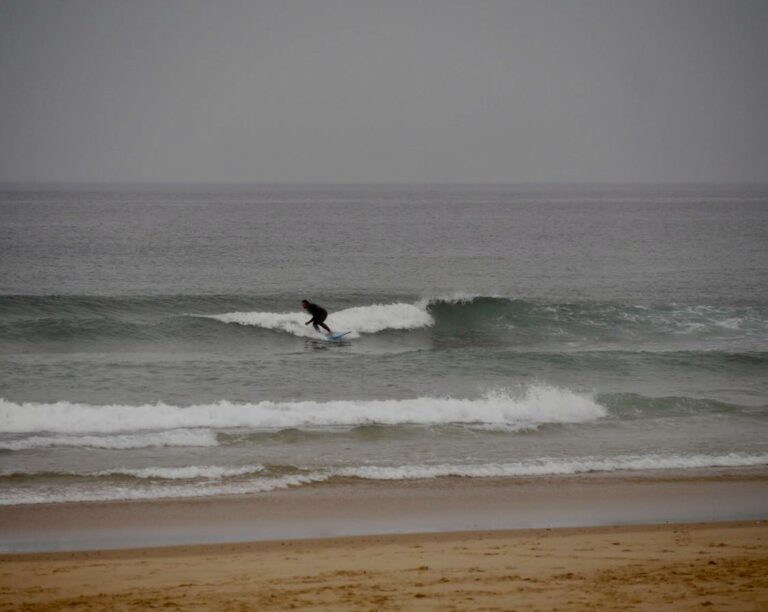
390, 90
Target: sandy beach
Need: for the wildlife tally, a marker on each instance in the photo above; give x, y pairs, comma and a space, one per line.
639, 546
673, 567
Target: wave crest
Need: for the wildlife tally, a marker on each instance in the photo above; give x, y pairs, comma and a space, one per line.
360, 319
533, 406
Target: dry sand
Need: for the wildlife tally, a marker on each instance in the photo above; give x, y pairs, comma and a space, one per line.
717, 566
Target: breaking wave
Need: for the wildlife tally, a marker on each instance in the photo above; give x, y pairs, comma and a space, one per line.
360, 319
457, 318
533, 406
529, 322
219, 480
553, 467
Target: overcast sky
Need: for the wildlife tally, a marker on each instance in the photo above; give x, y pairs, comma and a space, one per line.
379, 91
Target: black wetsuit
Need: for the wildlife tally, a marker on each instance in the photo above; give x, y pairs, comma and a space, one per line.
319, 314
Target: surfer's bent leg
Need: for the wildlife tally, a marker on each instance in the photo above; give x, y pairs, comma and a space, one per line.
319, 321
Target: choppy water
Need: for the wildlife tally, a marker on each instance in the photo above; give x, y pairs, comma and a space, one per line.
152, 344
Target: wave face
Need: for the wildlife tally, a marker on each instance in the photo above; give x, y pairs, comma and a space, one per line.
459, 319
596, 325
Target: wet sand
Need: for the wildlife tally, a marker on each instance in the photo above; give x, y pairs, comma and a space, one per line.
346, 508
662, 567
644, 542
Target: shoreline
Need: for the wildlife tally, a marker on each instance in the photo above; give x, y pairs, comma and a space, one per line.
722, 566
367, 508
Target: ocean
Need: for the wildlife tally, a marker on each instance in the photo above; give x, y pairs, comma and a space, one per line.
152, 343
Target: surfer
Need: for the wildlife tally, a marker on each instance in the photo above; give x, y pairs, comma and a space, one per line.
318, 313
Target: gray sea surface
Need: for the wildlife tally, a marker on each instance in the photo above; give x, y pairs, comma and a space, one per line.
152, 342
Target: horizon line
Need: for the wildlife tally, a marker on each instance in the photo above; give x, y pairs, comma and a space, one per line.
76, 183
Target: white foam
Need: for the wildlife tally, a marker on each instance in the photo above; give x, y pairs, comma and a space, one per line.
360, 319
545, 466
553, 466
290, 322
379, 317
536, 405
732, 323
457, 297
115, 442
84, 493
209, 472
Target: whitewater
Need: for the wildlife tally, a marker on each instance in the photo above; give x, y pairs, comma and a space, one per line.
536, 406
358, 320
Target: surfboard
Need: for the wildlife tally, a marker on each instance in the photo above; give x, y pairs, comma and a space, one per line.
336, 336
